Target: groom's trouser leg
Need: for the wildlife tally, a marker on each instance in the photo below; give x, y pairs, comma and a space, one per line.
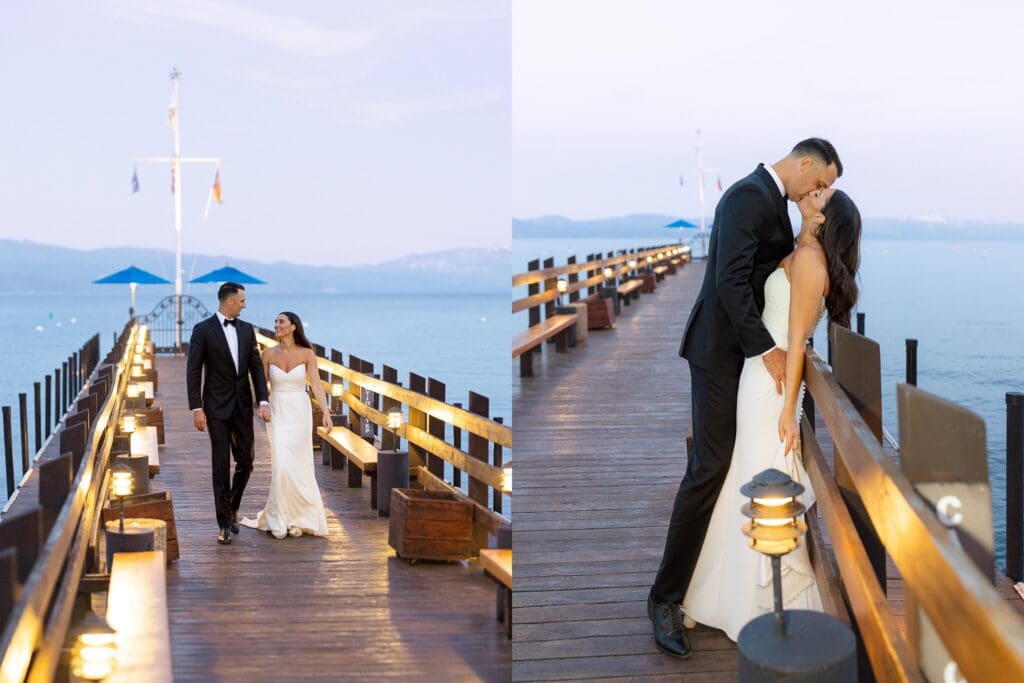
713, 398
220, 450
242, 450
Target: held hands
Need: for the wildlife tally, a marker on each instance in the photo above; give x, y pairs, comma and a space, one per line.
775, 362
789, 432
264, 413
199, 419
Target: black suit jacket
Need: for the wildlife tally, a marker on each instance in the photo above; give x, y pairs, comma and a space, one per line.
225, 388
750, 235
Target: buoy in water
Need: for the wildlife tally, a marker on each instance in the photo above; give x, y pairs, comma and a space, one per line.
483, 320
39, 328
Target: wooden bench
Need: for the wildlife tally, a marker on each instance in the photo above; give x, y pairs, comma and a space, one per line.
556, 327
629, 290
659, 273
497, 564
360, 454
137, 610
600, 312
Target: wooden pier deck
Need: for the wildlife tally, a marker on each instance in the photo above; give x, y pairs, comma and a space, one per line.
340, 608
600, 449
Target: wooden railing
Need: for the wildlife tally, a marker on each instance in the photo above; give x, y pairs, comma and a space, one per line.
56, 540
593, 274
868, 503
433, 429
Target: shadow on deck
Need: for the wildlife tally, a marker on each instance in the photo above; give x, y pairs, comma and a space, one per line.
340, 608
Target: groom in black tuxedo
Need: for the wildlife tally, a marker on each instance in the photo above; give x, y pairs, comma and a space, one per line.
225, 347
751, 234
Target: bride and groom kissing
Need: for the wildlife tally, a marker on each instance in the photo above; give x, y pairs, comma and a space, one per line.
223, 356
763, 294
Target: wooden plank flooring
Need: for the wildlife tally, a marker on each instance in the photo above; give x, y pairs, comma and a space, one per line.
341, 608
600, 450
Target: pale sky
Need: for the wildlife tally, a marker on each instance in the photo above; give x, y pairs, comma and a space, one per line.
922, 99
350, 132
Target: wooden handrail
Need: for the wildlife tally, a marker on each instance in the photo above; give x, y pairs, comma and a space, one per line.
981, 632
535, 276
66, 545
457, 417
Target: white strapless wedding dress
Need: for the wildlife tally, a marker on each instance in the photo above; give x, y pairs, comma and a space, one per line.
732, 583
294, 503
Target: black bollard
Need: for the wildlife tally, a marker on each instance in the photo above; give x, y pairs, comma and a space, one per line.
912, 362
457, 442
392, 473
813, 646
36, 396
48, 399
8, 451
496, 493
1015, 485
860, 324
23, 427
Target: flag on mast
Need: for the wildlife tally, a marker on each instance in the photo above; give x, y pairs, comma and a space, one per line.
215, 193
172, 113
135, 180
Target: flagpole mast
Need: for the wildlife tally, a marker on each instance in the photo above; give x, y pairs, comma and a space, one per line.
176, 183
700, 195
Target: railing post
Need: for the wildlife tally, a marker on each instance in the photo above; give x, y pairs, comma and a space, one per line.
65, 401
478, 448
533, 311
457, 443
435, 427
573, 278
56, 397
809, 400
496, 493
36, 404
8, 451
912, 362
48, 399
1015, 485
417, 418
549, 284
23, 426
860, 324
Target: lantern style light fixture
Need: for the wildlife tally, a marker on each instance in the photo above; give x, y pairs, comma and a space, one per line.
133, 390
128, 424
337, 390
121, 487
774, 528
137, 358
506, 478
650, 259
608, 272
632, 264
562, 284
136, 371
94, 652
395, 419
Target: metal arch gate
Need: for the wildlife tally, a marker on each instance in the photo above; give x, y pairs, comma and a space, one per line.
162, 324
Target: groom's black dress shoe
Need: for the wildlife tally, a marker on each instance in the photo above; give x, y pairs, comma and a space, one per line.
234, 524
224, 537
669, 634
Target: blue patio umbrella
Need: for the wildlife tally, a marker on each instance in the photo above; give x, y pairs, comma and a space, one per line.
681, 224
228, 274
132, 276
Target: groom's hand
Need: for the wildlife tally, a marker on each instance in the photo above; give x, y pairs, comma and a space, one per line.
264, 413
199, 419
775, 361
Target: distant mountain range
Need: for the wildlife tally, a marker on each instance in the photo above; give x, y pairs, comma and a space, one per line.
32, 267
652, 225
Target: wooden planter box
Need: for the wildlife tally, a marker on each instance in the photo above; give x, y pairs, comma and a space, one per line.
149, 505
430, 525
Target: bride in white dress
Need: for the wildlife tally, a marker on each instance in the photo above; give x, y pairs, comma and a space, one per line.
732, 583
294, 506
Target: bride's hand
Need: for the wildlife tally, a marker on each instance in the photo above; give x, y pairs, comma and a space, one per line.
789, 432
328, 424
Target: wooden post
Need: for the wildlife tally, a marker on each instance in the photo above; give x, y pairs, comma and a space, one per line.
72, 440
435, 427
417, 418
37, 418
860, 324
496, 493
1015, 485
533, 311
942, 453
389, 441
478, 448
457, 442
8, 582
574, 296
337, 405
912, 362
550, 284
8, 451
48, 399
23, 533
23, 425
55, 479
57, 409
808, 399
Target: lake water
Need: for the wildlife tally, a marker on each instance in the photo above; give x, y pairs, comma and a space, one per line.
961, 301
460, 339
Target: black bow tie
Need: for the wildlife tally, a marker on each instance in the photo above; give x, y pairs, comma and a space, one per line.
229, 321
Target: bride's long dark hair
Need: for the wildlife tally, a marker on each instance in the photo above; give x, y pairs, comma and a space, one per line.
300, 334
840, 238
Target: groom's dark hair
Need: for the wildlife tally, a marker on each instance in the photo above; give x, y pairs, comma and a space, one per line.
822, 150
228, 289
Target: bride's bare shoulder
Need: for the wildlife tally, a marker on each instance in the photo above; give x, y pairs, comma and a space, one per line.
809, 259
